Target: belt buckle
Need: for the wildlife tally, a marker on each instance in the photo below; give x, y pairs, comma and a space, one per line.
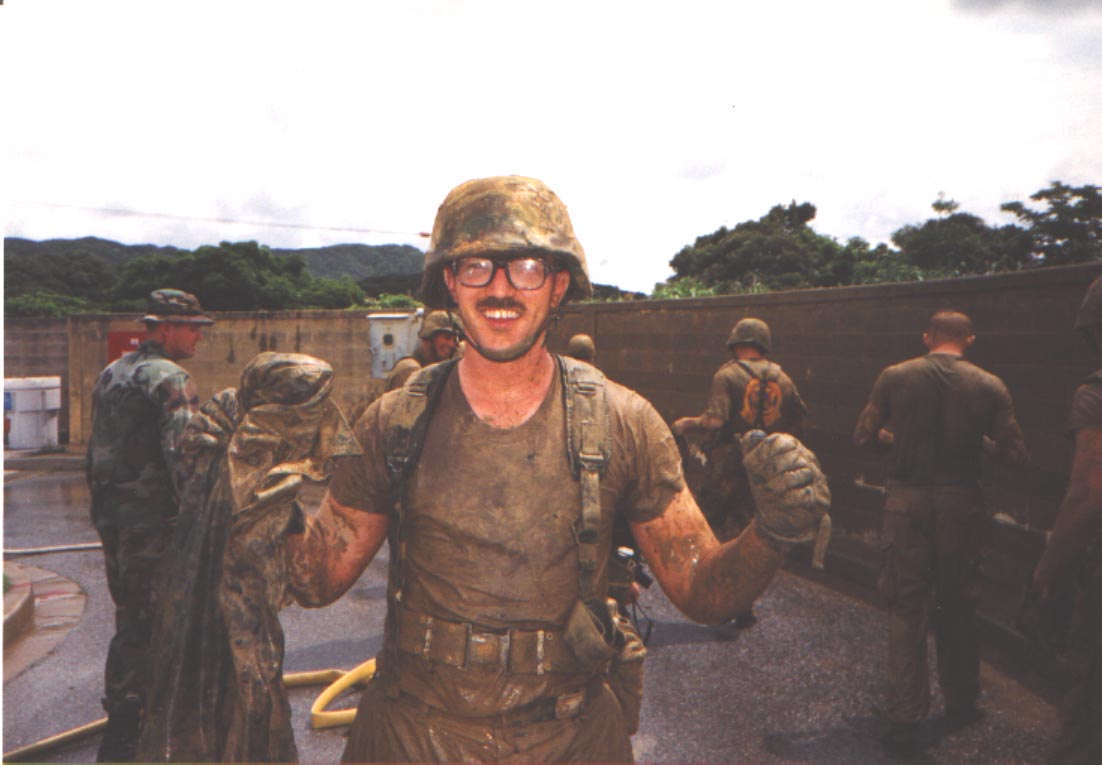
487, 648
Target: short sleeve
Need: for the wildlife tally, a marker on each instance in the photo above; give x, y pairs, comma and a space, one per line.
644, 472
719, 397
361, 482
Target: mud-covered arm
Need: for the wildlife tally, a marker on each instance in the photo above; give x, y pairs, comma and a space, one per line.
709, 582
1080, 515
330, 553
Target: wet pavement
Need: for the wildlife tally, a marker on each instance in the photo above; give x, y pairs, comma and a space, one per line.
802, 685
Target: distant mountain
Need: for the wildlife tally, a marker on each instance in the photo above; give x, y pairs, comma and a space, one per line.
356, 260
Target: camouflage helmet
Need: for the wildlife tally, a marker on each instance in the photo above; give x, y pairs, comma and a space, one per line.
751, 332
1090, 311
439, 321
174, 307
507, 215
581, 347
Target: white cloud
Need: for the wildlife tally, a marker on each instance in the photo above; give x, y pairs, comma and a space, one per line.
655, 123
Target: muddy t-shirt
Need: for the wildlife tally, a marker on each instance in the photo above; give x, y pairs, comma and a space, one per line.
488, 524
939, 407
757, 395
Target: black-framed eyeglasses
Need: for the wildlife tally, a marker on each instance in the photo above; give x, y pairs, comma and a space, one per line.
523, 273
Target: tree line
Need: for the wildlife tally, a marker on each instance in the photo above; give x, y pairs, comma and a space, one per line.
779, 251
1062, 224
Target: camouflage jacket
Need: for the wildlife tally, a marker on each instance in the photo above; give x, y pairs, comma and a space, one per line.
141, 404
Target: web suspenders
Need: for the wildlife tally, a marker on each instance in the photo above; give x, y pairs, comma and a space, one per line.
769, 375
588, 444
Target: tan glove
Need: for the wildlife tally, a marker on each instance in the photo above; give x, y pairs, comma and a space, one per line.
789, 488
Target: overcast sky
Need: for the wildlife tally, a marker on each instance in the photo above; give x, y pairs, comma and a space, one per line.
655, 122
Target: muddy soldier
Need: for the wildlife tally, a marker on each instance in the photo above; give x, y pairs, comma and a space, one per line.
141, 404
497, 479
936, 414
748, 392
1074, 552
439, 341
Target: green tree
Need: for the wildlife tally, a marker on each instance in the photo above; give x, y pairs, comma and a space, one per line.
1068, 227
777, 251
960, 244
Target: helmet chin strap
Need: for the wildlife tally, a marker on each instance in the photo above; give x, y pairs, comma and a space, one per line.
514, 352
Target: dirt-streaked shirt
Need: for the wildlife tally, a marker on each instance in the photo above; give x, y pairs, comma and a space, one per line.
488, 525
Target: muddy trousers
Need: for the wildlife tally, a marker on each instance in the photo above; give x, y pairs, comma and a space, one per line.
929, 577
133, 559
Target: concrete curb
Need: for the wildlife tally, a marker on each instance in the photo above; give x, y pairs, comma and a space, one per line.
18, 604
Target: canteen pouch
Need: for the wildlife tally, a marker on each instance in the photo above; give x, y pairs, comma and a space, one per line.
591, 641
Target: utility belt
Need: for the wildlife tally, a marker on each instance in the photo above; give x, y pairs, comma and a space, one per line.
567, 706
463, 645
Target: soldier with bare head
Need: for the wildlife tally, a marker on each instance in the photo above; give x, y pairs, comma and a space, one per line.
581, 347
497, 478
141, 404
936, 414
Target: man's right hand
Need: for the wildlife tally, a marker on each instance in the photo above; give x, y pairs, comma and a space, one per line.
789, 488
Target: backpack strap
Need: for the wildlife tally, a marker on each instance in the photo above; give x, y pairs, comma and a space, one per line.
588, 446
771, 373
403, 439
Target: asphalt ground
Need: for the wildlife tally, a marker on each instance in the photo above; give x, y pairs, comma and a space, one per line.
802, 685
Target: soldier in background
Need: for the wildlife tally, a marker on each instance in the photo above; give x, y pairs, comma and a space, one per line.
141, 404
1074, 552
439, 335
936, 414
581, 347
748, 392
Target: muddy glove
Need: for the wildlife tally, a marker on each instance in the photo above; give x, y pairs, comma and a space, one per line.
789, 487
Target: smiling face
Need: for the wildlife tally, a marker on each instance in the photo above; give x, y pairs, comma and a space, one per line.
502, 322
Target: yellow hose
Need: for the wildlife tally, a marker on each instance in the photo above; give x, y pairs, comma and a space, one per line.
319, 718
339, 682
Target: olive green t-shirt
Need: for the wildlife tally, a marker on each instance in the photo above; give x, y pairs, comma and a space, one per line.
488, 523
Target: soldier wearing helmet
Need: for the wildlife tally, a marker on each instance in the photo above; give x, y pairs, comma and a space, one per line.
748, 392
141, 404
937, 414
1072, 553
497, 477
439, 341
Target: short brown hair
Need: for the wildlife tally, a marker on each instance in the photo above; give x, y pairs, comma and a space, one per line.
950, 326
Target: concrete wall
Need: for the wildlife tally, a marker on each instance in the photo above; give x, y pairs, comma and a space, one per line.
39, 348
339, 337
833, 343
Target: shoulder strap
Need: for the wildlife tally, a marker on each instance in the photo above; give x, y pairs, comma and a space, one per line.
588, 445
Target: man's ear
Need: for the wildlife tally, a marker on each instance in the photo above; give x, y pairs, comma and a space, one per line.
449, 282
559, 286
927, 340
971, 339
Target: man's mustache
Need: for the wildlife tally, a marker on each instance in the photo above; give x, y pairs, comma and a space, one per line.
499, 303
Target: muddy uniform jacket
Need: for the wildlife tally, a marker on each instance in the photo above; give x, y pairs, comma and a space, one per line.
141, 404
